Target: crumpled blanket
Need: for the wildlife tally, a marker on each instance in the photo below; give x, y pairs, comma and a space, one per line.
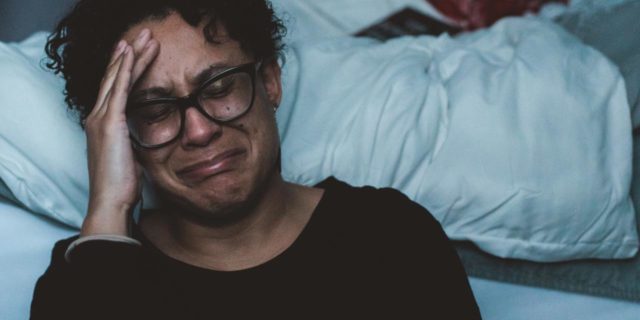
517, 138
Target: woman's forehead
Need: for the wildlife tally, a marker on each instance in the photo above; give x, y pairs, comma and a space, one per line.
184, 52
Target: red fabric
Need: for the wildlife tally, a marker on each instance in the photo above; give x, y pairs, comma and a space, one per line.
474, 14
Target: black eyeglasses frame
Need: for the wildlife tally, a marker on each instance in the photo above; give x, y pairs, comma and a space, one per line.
191, 100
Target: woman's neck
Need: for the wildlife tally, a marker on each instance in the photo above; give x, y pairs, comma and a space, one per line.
272, 224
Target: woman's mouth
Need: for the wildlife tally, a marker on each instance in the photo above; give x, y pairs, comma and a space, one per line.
220, 163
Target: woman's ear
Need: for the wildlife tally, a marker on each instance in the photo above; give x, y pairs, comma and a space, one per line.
270, 73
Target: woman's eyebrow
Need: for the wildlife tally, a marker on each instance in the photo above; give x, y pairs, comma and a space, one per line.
209, 72
150, 92
200, 78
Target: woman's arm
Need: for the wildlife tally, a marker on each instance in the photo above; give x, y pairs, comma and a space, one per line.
101, 280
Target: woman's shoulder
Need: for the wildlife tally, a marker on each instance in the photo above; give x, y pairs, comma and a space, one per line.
377, 207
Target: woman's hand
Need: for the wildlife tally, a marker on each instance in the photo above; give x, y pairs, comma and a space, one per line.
115, 176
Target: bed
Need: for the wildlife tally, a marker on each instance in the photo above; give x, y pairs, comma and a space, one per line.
566, 287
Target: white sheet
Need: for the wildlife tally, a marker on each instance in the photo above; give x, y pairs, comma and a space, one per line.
26, 240
504, 301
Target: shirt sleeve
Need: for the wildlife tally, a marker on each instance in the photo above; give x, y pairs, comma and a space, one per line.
429, 268
101, 282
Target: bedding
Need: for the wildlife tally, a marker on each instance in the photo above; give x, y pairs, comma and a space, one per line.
597, 24
43, 160
481, 130
482, 156
6, 193
586, 19
26, 240
606, 278
505, 301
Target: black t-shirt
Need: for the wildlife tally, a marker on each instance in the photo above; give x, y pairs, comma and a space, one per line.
364, 253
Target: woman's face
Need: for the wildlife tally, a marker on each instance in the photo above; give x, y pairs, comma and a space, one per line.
212, 169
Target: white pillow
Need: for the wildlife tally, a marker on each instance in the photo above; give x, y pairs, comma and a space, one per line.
517, 138
42, 148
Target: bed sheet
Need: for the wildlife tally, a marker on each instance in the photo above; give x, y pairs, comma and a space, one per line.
504, 301
26, 240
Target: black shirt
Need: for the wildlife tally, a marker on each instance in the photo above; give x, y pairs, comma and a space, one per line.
364, 253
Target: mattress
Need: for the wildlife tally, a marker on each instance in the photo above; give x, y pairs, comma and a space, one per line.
502, 301
26, 241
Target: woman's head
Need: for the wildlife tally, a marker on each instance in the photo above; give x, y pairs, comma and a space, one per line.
212, 168
82, 43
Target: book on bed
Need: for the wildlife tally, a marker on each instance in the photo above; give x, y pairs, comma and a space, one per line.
407, 22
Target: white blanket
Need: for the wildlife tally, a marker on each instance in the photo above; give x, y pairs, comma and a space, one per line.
517, 138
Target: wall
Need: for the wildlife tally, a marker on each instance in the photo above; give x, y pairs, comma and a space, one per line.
20, 18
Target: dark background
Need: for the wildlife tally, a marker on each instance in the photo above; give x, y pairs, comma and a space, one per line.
20, 18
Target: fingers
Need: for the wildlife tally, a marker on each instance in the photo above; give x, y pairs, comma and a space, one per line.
116, 53
117, 100
109, 76
144, 57
141, 40
145, 49
142, 52
110, 154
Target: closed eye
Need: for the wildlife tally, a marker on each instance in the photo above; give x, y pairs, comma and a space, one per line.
218, 89
154, 113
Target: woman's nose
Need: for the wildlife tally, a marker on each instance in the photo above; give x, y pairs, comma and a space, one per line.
198, 129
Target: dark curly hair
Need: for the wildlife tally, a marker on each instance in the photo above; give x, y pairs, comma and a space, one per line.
80, 46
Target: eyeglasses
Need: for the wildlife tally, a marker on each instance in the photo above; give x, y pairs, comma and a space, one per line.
228, 95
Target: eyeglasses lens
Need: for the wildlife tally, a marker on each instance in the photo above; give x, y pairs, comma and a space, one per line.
228, 97
223, 99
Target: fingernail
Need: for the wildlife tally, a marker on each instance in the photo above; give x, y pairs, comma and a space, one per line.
127, 49
143, 33
148, 44
119, 46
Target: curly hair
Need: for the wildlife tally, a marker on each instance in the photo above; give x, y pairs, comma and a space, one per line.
80, 46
